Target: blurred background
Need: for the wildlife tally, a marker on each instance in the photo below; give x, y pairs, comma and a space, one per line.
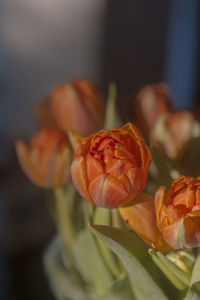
43, 43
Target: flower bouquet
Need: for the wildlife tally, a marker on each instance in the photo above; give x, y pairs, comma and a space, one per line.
126, 207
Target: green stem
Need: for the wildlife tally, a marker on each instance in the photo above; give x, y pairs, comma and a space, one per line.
173, 277
111, 118
116, 218
64, 222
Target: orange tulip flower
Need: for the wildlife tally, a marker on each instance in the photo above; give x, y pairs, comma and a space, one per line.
172, 132
78, 106
111, 166
47, 161
151, 102
178, 213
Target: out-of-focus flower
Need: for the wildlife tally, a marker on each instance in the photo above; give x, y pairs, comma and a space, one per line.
111, 167
151, 102
47, 161
178, 212
140, 215
44, 115
172, 133
78, 106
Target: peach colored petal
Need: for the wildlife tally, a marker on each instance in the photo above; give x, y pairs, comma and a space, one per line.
123, 178
174, 234
122, 153
187, 198
107, 191
159, 200
94, 168
132, 174
27, 165
192, 228
174, 213
79, 177
140, 215
198, 196
113, 166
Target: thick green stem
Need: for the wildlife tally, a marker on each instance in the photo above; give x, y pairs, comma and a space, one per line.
64, 222
116, 219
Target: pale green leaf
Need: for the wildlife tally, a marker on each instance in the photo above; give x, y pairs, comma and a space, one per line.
194, 290
131, 251
178, 277
90, 264
102, 216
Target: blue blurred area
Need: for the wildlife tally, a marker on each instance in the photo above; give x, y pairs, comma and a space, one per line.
182, 52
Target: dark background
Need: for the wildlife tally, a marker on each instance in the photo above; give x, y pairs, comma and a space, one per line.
42, 43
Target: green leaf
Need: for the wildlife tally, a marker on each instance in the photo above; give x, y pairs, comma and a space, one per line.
130, 249
64, 283
120, 291
178, 277
102, 216
194, 290
90, 264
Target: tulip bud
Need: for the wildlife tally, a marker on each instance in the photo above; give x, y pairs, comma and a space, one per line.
151, 102
172, 133
47, 161
78, 106
111, 167
178, 213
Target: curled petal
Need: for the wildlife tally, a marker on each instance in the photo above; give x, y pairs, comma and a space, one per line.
159, 200
140, 216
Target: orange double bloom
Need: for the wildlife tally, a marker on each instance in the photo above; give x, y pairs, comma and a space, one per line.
178, 213
110, 167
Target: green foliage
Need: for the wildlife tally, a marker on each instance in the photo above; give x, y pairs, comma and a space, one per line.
134, 256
